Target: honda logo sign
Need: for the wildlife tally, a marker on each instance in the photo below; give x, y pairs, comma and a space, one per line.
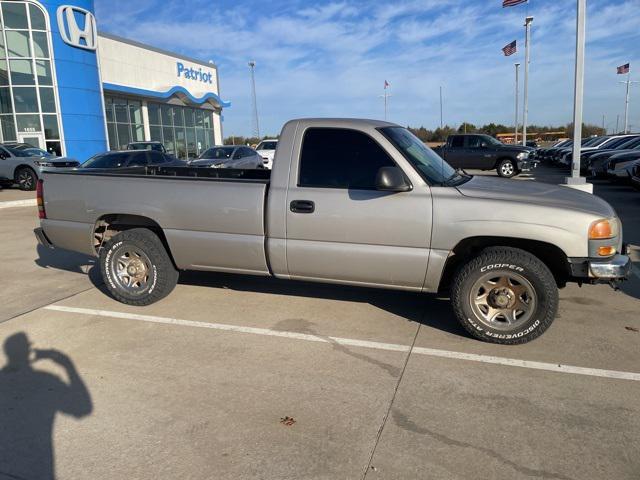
78, 27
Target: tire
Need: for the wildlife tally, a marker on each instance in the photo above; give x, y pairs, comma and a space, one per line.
26, 179
506, 168
479, 290
136, 268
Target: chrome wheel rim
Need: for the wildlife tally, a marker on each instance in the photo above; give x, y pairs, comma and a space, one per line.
131, 269
503, 300
25, 179
507, 169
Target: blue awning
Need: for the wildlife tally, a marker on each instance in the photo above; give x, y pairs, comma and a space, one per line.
177, 91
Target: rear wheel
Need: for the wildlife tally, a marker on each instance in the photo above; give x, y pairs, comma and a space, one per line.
26, 179
136, 267
505, 295
506, 168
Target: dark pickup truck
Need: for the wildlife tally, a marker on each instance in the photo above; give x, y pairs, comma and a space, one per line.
482, 152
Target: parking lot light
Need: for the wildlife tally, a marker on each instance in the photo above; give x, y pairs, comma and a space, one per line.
527, 23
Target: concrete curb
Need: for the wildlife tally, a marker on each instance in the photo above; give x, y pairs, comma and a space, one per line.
18, 203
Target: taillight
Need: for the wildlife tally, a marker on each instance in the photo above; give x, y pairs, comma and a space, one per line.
42, 214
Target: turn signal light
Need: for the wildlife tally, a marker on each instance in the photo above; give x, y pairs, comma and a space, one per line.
42, 214
606, 251
601, 230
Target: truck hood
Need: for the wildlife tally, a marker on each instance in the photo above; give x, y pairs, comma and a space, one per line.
536, 193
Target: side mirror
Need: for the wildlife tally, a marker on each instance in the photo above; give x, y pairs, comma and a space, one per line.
392, 179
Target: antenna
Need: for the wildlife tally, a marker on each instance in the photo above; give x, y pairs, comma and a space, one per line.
255, 122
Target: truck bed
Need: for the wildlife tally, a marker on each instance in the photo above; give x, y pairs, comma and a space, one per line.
213, 219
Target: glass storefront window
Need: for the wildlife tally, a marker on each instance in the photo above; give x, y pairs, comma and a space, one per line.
28, 105
124, 135
189, 117
38, 22
124, 122
40, 45
25, 99
47, 100
43, 69
138, 133
120, 109
22, 72
167, 116
5, 100
51, 126
15, 15
8, 128
156, 134
18, 44
135, 112
28, 123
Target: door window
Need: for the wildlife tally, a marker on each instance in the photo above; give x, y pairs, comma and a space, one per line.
474, 142
138, 159
156, 157
341, 158
457, 142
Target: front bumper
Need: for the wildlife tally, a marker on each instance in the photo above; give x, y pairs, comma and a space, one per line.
614, 269
527, 165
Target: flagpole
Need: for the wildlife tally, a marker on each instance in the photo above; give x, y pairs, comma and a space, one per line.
515, 141
527, 25
626, 103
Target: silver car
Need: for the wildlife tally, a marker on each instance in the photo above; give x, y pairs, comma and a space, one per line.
23, 167
230, 156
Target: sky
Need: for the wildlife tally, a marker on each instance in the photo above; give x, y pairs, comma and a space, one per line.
331, 58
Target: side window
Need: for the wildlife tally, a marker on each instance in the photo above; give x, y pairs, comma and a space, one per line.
474, 141
138, 159
457, 142
340, 158
156, 157
247, 152
238, 154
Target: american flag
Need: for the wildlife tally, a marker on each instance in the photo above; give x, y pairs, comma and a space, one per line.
510, 49
624, 69
512, 3
386, 84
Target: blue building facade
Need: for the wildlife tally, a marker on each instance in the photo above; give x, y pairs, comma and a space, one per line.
68, 89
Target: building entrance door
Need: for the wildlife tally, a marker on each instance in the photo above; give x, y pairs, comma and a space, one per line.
35, 139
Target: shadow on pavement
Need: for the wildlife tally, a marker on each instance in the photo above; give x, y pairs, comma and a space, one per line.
415, 307
30, 399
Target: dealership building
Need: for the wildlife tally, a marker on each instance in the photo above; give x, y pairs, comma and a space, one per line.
77, 92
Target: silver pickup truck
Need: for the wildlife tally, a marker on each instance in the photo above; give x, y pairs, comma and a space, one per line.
355, 202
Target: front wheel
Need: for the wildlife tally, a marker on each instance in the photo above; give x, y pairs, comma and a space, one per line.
136, 267
26, 179
507, 169
505, 295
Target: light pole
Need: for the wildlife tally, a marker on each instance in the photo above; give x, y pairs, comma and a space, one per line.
517, 99
254, 101
527, 24
575, 178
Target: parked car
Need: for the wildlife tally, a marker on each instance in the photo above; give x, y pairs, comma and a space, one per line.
356, 202
599, 143
595, 162
482, 152
635, 175
618, 166
229, 156
545, 154
24, 168
131, 159
267, 150
155, 146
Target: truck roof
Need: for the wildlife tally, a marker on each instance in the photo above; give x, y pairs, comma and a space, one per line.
345, 122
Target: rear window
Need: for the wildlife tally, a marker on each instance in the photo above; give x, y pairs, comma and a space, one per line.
107, 160
267, 146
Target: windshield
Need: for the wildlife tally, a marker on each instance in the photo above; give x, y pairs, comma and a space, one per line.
428, 163
623, 143
594, 142
107, 160
217, 153
20, 153
267, 146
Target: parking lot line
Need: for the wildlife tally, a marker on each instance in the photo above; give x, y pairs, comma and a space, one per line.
510, 362
18, 203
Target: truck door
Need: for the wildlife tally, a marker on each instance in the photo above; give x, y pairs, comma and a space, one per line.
340, 228
456, 154
478, 154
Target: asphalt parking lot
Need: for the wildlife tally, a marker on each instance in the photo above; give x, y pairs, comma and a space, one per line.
238, 377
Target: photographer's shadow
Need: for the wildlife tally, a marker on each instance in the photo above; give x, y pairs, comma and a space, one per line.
29, 401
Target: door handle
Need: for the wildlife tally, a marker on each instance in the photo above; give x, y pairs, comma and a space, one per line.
302, 206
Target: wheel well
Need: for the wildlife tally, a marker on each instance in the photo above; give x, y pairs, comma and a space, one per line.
110, 225
552, 256
499, 161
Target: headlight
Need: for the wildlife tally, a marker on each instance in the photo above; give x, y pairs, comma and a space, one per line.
42, 164
522, 155
603, 229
